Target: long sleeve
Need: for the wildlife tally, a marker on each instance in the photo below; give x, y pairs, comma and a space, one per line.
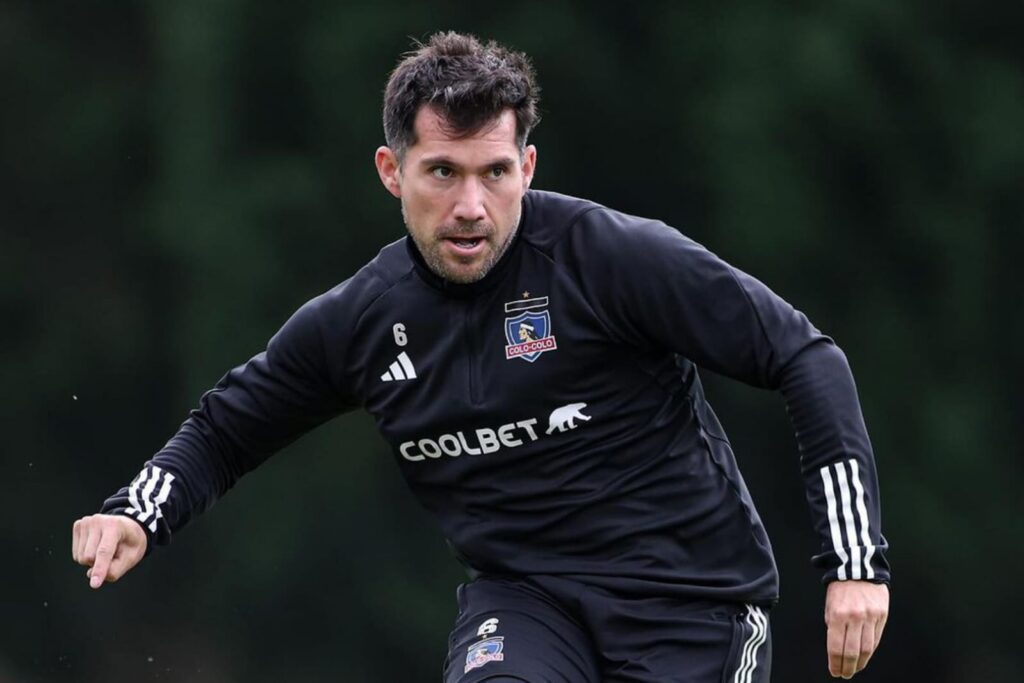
837, 464
660, 290
255, 410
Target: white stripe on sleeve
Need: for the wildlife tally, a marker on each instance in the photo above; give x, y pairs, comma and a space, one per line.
161, 498
862, 512
851, 526
133, 492
833, 522
147, 494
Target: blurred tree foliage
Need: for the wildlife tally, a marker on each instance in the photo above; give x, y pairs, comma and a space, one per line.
177, 177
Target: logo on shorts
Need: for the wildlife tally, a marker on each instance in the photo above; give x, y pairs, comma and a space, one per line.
528, 330
489, 650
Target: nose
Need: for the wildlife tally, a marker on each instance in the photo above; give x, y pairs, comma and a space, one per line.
469, 206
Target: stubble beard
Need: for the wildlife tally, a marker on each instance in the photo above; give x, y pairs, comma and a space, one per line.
432, 248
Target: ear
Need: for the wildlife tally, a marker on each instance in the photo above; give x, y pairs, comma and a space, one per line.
388, 170
529, 165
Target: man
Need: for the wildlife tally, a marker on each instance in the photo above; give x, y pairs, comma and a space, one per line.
576, 467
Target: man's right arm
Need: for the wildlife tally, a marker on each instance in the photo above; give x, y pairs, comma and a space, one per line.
109, 545
254, 411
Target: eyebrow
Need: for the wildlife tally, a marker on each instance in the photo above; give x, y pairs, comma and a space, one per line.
442, 160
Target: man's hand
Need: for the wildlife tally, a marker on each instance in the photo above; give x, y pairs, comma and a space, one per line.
855, 613
109, 544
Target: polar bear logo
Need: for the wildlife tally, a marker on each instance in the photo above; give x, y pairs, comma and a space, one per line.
564, 418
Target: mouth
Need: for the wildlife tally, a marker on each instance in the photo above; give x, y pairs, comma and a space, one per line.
466, 245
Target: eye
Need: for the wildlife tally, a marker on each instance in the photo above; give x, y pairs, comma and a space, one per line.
441, 172
496, 172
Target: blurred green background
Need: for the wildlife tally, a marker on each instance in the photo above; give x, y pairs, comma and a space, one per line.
177, 177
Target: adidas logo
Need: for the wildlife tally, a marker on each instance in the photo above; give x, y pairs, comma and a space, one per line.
400, 369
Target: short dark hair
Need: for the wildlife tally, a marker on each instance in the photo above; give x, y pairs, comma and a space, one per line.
469, 82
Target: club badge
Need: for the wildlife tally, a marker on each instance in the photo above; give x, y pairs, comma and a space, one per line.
528, 330
489, 650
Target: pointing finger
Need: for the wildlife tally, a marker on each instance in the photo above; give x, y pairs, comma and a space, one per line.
104, 554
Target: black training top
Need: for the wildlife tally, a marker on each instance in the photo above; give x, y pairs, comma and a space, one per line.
550, 415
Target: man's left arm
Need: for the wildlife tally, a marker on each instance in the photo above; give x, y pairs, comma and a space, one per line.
842, 490
659, 287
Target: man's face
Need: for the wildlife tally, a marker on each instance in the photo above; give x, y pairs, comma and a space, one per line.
461, 196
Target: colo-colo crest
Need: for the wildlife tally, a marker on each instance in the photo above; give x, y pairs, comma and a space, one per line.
528, 329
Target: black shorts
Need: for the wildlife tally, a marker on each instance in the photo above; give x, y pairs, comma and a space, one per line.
553, 630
